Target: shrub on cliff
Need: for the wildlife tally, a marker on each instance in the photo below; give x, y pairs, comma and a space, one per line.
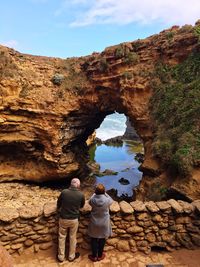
175, 106
103, 65
8, 68
74, 81
123, 52
57, 79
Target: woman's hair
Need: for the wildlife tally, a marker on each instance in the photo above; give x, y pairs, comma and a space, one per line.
100, 189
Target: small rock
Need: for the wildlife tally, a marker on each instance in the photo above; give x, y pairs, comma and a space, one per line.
123, 181
115, 207
16, 246
196, 204
28, 212
28, 243
164, 206
196, 239
175, 206
112, 241
187, 207
143, 217
138, 205
50, 208
151, 206
8, 214
125, 207
45, 246
134, 229
123, 245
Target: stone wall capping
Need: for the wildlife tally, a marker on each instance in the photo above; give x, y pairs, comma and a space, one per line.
125, 207
138, 206
8, 214
50, 208
187, 207
196, 204
28, 212
164, 206
115, 207
136, 226
175, 206
151, 206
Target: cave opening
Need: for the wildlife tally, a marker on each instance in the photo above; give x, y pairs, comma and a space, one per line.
116, 153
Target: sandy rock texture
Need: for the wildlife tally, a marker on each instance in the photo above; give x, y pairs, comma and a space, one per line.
50, 106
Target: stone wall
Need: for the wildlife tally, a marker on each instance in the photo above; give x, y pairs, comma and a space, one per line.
136, 226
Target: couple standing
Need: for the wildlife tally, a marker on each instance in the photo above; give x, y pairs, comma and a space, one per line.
69, 203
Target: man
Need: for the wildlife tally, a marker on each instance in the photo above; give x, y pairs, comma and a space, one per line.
69, 203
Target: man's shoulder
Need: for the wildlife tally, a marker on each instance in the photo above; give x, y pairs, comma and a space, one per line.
65, 190
73, 191
80, 193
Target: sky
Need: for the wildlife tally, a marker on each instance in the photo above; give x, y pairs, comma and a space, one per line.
66, 28
113, 125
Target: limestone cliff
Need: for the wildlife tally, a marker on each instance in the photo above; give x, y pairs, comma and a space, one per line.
130, 132
49, 106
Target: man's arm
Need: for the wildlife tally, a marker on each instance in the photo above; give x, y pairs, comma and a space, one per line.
83, 201
59, 201
90, 200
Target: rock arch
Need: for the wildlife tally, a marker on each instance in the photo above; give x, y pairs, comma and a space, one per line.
49, 106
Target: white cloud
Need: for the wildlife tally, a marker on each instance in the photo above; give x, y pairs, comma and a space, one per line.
109, 133
129, 11
11, 44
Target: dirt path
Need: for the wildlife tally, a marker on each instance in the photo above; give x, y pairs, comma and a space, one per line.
180, 258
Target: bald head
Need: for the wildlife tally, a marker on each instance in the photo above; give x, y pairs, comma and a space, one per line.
75, 182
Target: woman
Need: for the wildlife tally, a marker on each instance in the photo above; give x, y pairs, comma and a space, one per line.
99, 227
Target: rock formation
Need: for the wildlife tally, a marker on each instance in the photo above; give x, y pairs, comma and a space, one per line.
49, 106
130, 132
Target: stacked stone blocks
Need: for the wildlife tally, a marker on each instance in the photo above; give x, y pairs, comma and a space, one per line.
168, 225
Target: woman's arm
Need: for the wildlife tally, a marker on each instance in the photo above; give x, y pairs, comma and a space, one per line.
110, 200
90, 200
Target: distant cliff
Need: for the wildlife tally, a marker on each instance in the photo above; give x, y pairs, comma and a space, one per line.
130, 132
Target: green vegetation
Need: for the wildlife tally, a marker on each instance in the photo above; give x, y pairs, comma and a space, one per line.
131, 58
7, 67
158, 192
103, 65
197, 32
119, 52
136, 45
186, 28
70, 78
127, 75
170, 36
123, 52
57, 79
175, 107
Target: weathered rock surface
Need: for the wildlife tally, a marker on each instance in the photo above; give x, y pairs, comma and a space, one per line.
50, 106
130, 132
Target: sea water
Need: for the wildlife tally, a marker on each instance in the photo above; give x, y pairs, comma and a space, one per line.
120, 159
